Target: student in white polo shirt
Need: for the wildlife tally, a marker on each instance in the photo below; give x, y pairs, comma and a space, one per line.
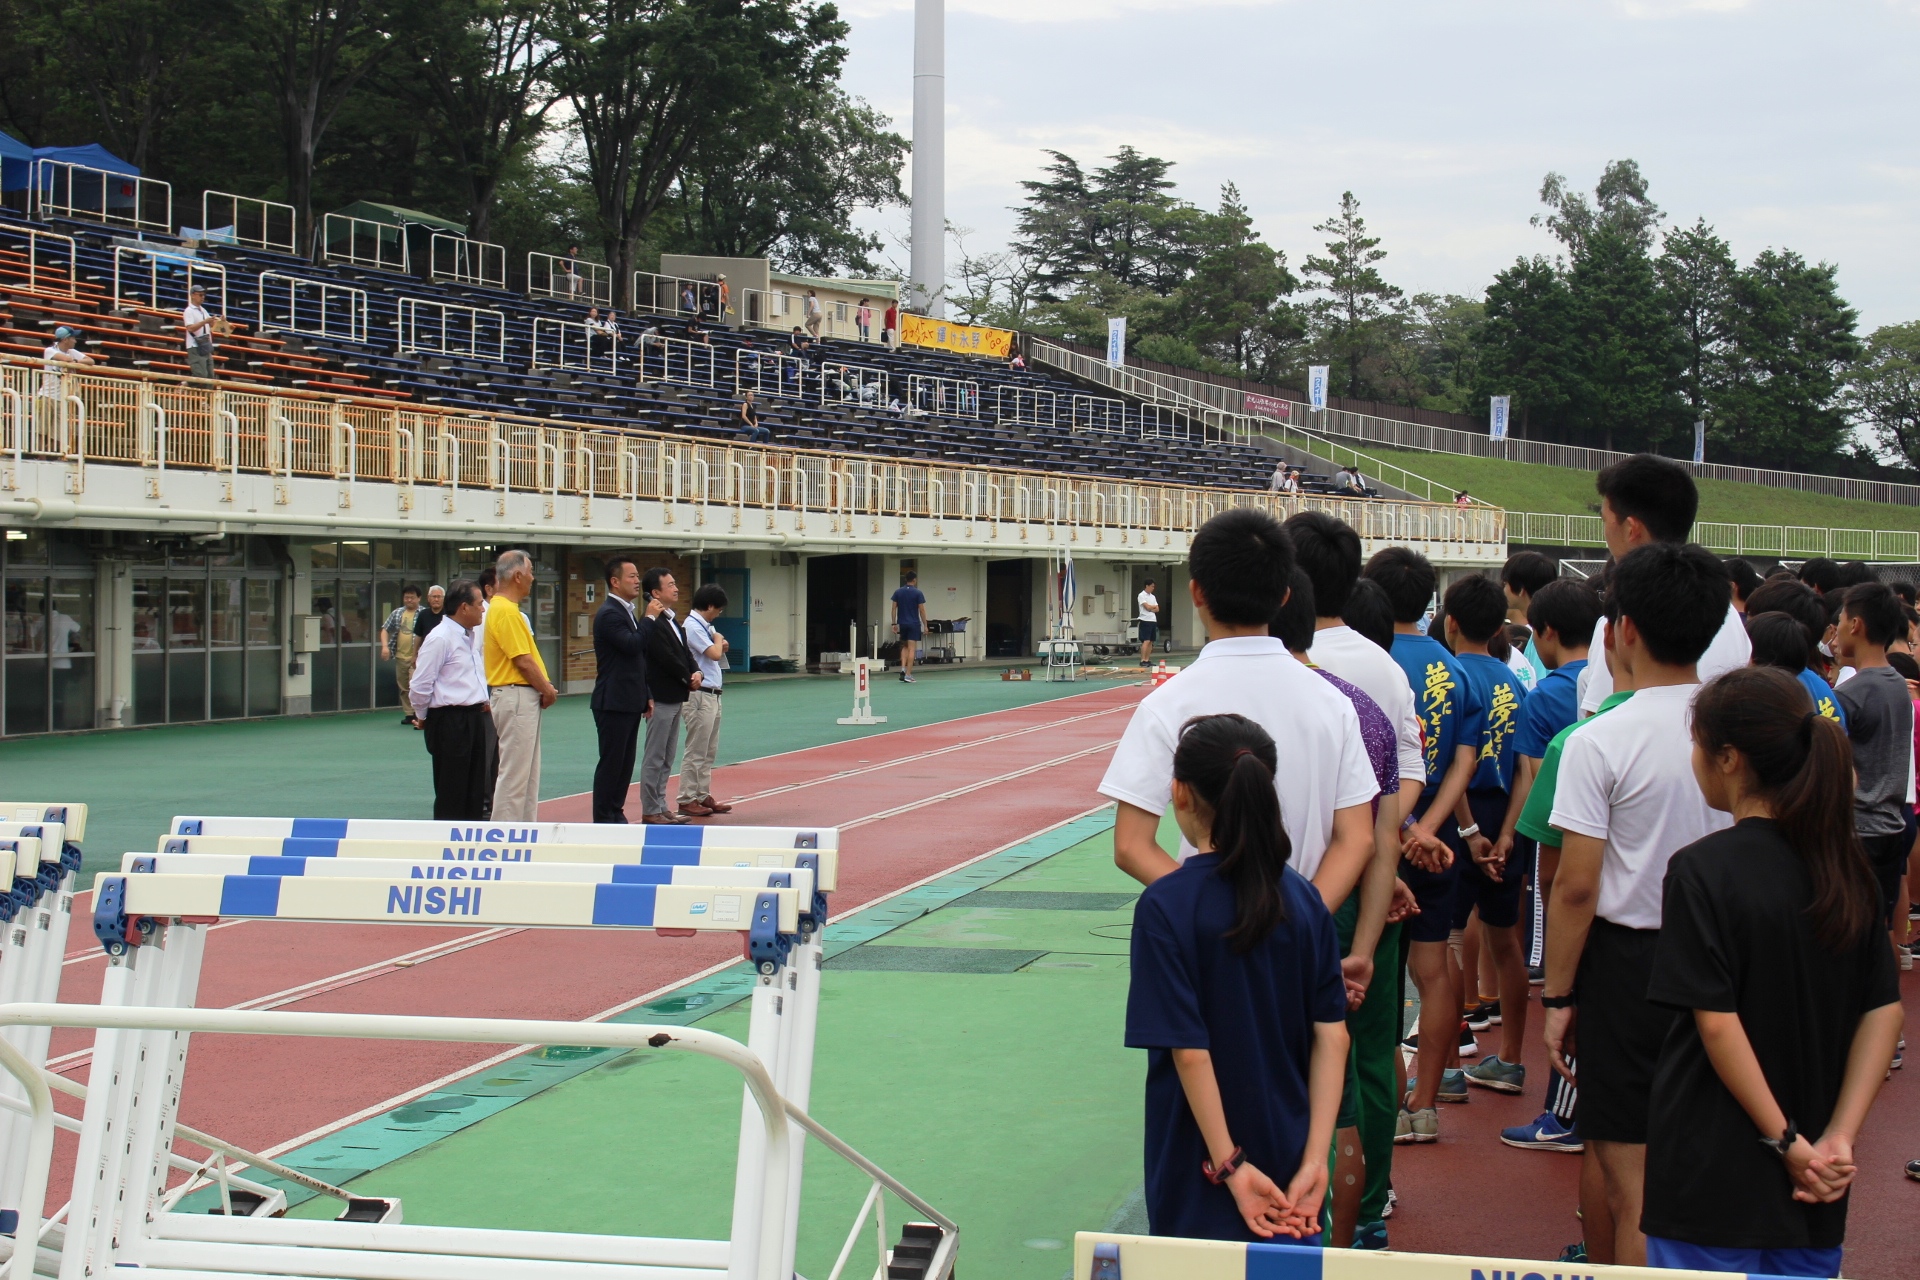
1237, 570
1644, 499
1626, 801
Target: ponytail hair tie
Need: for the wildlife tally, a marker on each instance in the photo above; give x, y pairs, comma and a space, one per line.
1243, 751
1807, 722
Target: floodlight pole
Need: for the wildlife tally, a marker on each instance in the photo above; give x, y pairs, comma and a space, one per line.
929, 228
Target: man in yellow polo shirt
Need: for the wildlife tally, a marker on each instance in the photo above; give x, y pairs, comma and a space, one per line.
518, 687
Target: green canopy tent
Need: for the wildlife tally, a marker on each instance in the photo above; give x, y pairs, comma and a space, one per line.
411, 225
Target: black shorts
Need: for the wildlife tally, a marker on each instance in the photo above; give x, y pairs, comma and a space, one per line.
1434, 890
1887, 855
1498, 900
1149, 632
1617, 1032
910, 633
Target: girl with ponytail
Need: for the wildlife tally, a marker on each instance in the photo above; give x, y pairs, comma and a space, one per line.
1237, 996
1772, 943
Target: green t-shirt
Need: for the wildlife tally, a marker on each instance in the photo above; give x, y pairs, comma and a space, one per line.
1533, 821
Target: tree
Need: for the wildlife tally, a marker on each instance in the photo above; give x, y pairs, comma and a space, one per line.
786, 182
479, 75
1231, 309
1055, 226
650, 79
1620, 204
1445, 334
315, 54
1347, 321
1885, 389
1141, 235
1697, 272
1525, 345
1627, 357
1793, 339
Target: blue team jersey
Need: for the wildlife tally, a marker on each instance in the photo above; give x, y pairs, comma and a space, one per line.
1552, 706
1501, 692
1824, 700
1443, 698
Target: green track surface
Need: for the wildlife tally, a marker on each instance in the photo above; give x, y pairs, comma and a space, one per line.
1526, 486
366, 764
1004, 1098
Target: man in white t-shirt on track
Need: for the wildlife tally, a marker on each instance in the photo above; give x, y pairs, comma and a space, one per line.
1626, 802
1238, 568
1646, 499
1149, 621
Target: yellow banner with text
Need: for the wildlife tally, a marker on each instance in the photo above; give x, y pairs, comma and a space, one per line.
967, 339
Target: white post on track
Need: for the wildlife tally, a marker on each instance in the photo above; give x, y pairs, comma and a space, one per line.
928, 264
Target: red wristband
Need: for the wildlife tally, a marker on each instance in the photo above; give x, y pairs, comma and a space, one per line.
1217, 1176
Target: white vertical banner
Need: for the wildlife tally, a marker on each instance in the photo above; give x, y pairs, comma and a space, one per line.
1700, 440
1497, 417
1116, 341
1317, 386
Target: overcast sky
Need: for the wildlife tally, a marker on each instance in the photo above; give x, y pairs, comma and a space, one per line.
1783, 124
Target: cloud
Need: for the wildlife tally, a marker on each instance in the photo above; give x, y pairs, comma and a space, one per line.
1051, 11
1658, 10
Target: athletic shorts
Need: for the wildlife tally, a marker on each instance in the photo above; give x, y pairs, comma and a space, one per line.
1498, 900
1149, 631
1617, 1032
1434, 890
1678, 1255
910, 633
1887, 855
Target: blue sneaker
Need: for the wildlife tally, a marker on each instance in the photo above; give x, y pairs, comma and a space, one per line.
1545, 1134
1370, 1235
1491, 1073
1576, 1252
1453, 1086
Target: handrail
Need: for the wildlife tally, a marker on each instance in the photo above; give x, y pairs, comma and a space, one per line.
20, 427
545, 325
45, 171
566, 281
34, 235
265, 240
79, 439
356, 300
154, 258
382, 232
677, 303
474, 262
233, 445
411, 339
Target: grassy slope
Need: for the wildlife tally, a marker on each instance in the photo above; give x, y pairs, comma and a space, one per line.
1520, 486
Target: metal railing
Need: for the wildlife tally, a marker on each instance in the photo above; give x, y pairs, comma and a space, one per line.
782, 310
769, 373
667, 295
680, 360
291, 434
317, 308
447, 328
194, 269
573, 344
552, 275
60, 189
262, 224
35, 239
464, 261
943, 397
853, 384
362, 242
1099, 413
1026, 405
1780, 542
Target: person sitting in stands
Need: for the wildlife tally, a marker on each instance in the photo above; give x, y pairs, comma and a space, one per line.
1018, 364
599, 342
696, 334
750, 420
798, 341
1281, 475
749, 357
869, 393
570, 278
1461, 500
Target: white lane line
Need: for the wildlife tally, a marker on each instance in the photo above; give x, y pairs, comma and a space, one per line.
971, 787
99, 953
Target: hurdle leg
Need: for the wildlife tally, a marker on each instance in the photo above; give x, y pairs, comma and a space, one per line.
157, 1098
15, 959
796, 1084
763, 1039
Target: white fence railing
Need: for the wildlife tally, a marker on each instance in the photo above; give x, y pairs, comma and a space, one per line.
573, 344
943, 397
380, 246
1025, 405
1101, 414
131, 265
681, 360
769, 373
260, 224
853, 384
433, 327
785, 311
42, 245
675, 295
464, 261
1780, 542
552, 275
316, 308
59, 189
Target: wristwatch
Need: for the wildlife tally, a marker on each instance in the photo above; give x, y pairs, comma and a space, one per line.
1784, 1143
1557, 1002
1468, 833
1225, 1170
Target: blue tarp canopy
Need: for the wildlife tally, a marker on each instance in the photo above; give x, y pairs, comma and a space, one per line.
15, 156
92, 155
80, 187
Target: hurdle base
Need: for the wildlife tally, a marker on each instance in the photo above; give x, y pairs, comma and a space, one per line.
375, 1209
861, 720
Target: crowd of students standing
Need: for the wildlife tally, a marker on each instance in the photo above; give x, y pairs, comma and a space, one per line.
1679, 799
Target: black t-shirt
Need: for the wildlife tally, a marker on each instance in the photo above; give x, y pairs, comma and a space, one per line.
1735, 938
425, 621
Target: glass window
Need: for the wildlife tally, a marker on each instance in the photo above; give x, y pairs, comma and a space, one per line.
70, 639
229, 614
148, 594
263, 613
26, 546
326, 555
354, 555
186, 614
389, 555
25, 628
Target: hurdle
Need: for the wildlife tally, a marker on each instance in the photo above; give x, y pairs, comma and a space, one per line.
690, 836
152, 917
1099, 1255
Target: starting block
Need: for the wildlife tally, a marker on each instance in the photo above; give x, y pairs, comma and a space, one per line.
152, 920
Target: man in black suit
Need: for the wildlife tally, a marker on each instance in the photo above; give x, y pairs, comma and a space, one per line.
671, 675
620, 700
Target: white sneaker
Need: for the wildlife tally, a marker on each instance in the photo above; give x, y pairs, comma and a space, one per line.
1417, 1126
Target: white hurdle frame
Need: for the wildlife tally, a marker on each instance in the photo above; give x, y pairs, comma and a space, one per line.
411, 340
475, 262
1031, 406
530, 833
556, 334
331, 292
268, 213
194, 268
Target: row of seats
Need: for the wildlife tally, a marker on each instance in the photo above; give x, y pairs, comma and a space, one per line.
652, 386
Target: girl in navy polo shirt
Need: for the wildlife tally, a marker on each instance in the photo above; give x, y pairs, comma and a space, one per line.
1237, 997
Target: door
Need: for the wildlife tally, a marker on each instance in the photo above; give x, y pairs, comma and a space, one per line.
736, 620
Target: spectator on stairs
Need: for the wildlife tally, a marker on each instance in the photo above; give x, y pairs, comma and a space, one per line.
196, 322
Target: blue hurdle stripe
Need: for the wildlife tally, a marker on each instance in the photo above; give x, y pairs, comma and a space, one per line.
250, 896
310, 846
629, 904
268, 866
687, 837
1283, 1262
320, 828
642, 874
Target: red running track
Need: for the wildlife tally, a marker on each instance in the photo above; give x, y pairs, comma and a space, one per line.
911, 804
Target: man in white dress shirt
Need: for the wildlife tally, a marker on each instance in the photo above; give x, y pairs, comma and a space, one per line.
449, 696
